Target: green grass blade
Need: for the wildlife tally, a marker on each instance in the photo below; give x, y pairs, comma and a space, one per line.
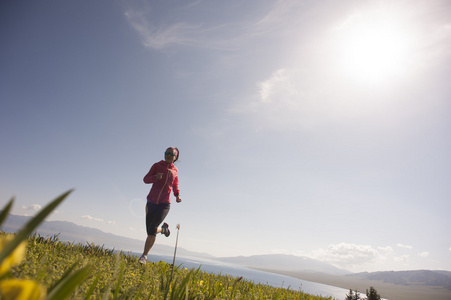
31, 225
121, 275
92, 287
6, 210
68, 284
64, 277
178, 292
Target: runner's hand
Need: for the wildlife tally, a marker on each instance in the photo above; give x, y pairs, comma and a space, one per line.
159, 176
178, 199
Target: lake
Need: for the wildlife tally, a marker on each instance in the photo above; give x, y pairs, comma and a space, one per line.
275, 280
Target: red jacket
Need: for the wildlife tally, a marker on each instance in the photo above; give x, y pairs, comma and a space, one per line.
161, 189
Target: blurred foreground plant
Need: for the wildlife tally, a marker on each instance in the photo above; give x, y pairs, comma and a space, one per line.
12, 251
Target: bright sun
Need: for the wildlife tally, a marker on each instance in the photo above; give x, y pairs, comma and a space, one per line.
372, 49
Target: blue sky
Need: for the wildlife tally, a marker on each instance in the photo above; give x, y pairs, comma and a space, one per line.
319, 129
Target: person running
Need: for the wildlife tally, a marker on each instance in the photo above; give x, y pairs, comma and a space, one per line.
163, 176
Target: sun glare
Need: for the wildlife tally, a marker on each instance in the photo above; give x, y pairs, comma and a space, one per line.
372, 49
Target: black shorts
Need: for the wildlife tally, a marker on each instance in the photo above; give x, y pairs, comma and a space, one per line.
155, 214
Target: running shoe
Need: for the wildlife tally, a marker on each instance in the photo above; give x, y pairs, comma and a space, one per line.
143, 259
165, 229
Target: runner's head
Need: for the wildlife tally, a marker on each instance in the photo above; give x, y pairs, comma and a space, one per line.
171, 154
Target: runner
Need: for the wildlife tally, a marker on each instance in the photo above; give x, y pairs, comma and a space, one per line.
163, 176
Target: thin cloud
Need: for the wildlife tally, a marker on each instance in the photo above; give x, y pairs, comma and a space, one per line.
220, 35
423, 254
289, 98
401, 258
347, 255
387, 249
280, 17
278, 86
31, 207
90, 218
404, 246
35, 207
277, 13
435, 43
159, 37
279, 251
193, 4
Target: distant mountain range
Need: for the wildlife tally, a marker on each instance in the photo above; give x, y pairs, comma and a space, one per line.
70, 232
410, 278
283, 262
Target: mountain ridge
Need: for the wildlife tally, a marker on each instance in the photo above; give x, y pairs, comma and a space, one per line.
70, 232
285, 262
437, 278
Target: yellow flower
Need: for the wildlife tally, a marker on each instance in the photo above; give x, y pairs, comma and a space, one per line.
21, 290
15, 257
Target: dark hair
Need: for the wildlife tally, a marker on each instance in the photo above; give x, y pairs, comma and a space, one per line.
178, 153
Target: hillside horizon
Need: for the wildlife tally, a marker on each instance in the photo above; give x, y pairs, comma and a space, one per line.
71, 232
408, 284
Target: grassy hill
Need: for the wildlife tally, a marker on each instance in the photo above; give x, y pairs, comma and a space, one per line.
120, 276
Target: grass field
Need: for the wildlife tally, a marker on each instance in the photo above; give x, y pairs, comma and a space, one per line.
36, 268
120, 276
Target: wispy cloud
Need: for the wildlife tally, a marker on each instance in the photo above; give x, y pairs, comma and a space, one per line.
404, 246
347, 255
290, 98
159, 37
279, 86
183, 33
281, 17
423, 254
358, 258
31, 207
279, 251
277, 13
435, 41
35, 207
387, 249
90, 218
220, 34
401, 258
